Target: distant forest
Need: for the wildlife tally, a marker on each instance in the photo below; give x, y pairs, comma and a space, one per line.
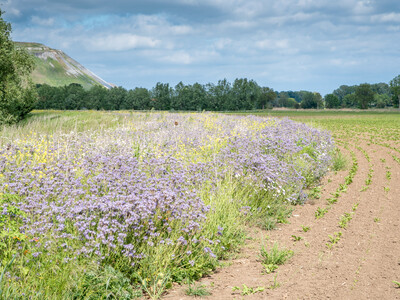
242, 94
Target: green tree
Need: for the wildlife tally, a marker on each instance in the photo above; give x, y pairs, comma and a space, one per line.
349, 101
17, 92
332, 101
266, 98
311, 100
161, 96
344, 90
395, 89
364, 95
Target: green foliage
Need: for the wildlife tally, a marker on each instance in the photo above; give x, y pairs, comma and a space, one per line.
364, 95
320, 212
395, 89
104, 283
305, 228
339, 161
332, 101
17, 94
296, 238
315, 193
245, 290
345, 219
10, 223
311, 100
274, 257
197, 290
334, 239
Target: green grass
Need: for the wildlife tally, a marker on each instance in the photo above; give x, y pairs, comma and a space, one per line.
197, 290
274, 257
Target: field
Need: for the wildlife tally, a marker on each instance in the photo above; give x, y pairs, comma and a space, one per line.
345, 239
98, 205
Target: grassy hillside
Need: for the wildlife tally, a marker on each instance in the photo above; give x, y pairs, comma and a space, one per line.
55, 68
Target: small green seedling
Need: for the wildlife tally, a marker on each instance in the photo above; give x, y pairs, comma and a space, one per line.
320, 212
388, 175
376, 220
315, 193
355, 206
345, 219
296, 238
397, 284
276, 284
245, 290
305, 228
334, 239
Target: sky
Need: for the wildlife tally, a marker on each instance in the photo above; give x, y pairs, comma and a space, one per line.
314, 45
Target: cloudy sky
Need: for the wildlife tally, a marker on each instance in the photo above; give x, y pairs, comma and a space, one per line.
314, 45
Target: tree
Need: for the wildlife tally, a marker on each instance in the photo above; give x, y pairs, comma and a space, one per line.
395, 89
17, 92
344, 90
332, 101
311, 100
266, 98
161, 96
364, 95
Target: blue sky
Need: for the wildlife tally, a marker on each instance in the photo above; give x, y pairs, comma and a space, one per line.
286, 45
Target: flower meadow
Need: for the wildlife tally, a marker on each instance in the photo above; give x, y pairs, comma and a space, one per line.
125, 209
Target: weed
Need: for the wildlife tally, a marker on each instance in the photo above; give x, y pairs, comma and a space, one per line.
197, 290
305, 228
275, 257
245, 290
355, 206
397, 284
3, 272
388, 175
386, 189
339, 161
275, 284
376, 220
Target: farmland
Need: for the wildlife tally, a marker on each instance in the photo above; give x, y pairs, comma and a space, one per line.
122, 205
344, 240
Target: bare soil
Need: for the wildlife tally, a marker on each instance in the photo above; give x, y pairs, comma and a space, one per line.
361, 265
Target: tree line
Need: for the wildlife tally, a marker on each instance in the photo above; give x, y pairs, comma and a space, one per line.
242, 94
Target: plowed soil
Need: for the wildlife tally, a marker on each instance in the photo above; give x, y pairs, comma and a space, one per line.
362, 264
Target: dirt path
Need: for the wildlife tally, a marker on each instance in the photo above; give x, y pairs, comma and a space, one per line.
361, 264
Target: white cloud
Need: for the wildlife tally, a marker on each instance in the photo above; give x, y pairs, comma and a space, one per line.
180, 57
122, 42
386, 18
42, 22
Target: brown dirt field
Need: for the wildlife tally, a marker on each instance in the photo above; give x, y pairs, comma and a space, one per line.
362, 265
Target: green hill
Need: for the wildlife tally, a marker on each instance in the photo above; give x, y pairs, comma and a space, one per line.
56, 68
